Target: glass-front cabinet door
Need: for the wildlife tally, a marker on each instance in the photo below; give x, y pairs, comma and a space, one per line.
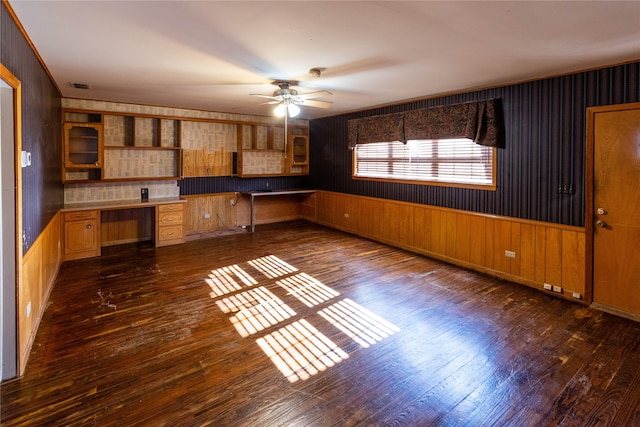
83, 145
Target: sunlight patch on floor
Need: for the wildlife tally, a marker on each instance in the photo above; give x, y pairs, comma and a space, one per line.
222, 281
307, 289
297, 348
272, 266
300, 351
362, 325
256, 310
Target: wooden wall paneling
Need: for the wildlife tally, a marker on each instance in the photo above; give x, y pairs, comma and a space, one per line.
477, 240
352, 210
243, 212
109, 227
40, 266
553, 256
126, 226
463, 237
369, 223
322, 207
437, 246
222, 215
540, 272
400, 218
422, 228
489, 243
514, 263
386, 218
527, 253
502, 242
338, 210
308, 208
450, 227
573, 255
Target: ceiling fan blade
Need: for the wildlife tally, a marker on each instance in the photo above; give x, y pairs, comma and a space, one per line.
317, 104
262, 96
314, 94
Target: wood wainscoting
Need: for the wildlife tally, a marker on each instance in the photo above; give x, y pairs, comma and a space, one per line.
219, 209
543, 252
40, 267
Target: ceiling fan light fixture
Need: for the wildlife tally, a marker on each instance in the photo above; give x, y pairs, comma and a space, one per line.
279, 110
293, 109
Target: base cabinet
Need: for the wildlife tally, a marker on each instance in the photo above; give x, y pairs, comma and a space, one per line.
169, 224
81, 234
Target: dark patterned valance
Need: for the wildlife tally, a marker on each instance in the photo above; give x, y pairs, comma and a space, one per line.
384, 128
479, 121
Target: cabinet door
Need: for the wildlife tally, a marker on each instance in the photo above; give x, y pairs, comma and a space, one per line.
81, 236
83, 145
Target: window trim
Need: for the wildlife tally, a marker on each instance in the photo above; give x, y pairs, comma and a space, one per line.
487, 187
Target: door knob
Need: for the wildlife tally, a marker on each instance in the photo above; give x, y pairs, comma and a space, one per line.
601, 224
601, 211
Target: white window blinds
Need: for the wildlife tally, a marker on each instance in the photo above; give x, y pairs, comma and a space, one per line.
458, 161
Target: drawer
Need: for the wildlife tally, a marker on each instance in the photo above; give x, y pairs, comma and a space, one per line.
169, 218
170, 233
80, 215
170, 208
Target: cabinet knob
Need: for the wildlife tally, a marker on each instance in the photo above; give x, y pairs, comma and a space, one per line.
97, 164
89, 226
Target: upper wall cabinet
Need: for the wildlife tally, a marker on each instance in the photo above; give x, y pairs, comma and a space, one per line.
111, 147
264, 151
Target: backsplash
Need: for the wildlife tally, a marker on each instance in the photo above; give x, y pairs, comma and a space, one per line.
101, 192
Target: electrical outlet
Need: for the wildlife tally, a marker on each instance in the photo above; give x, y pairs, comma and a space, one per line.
577, 295
206, 216
232, 202
510, 254
547, 286
557, 289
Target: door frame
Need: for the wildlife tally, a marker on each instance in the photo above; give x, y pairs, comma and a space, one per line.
589, 207
7, 77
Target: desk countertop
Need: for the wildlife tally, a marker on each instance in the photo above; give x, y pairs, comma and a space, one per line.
121, 204
277, 192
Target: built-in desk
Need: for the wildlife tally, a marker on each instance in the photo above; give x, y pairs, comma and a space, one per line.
253, 195
160, 220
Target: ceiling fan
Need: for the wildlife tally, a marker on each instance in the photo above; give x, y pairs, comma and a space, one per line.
289, 100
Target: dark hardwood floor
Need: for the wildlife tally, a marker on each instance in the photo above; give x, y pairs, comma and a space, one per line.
300, 325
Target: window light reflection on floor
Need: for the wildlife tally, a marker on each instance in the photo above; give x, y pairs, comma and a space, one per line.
300, 351
222, 281
272, 266
307, 289
362, 325
256, 310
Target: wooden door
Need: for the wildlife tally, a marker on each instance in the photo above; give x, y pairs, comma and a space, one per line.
616, 210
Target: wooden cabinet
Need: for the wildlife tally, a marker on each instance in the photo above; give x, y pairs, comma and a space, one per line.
81, 234
115, 147
169, 224
263, 151
83, 151
298, 155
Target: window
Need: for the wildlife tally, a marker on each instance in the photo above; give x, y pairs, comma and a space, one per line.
455, 162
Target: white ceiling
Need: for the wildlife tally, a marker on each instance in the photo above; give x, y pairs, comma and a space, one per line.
210, 55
